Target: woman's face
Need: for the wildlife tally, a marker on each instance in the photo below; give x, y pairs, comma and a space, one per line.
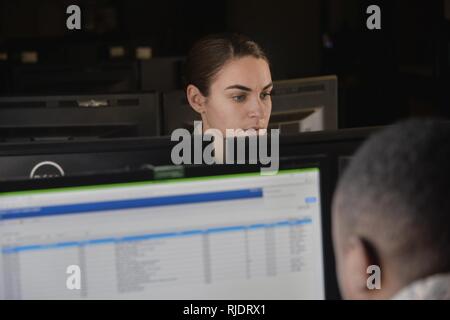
239, 96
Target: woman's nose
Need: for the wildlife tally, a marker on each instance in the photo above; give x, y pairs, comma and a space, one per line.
256, 109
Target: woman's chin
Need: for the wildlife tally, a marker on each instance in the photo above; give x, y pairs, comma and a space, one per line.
248, 132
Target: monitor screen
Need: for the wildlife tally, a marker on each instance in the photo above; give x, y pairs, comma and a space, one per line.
233, 236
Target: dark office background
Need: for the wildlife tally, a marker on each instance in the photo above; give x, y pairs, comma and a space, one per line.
384, 75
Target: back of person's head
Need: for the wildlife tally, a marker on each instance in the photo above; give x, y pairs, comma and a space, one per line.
391, 209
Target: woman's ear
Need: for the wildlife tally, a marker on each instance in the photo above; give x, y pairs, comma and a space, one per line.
196, 99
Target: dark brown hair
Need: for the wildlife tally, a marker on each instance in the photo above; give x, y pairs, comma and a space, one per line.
209, 54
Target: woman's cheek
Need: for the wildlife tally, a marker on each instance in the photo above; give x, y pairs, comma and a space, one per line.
233, 116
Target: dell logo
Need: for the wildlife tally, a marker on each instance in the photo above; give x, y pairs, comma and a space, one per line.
46, 169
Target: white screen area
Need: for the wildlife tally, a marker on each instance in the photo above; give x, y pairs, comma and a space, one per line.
242, 236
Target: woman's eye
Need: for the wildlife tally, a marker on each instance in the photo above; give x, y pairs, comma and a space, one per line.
240, 98
265, 95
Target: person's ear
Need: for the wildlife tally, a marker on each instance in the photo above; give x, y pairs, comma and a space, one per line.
357, 257
196, 99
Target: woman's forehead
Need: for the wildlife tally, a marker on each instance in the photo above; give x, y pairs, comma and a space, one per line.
250, 72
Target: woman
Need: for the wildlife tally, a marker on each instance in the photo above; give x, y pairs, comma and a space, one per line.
229, 83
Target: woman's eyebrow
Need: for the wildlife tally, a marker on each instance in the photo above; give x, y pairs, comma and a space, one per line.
238, 86
268, 86
244, 88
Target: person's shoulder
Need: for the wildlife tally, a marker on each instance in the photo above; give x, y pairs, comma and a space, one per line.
436, 287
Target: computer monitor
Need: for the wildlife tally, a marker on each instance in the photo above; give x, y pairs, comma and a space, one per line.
79, 116
307, 104
45, 159
40, 159
215, 234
